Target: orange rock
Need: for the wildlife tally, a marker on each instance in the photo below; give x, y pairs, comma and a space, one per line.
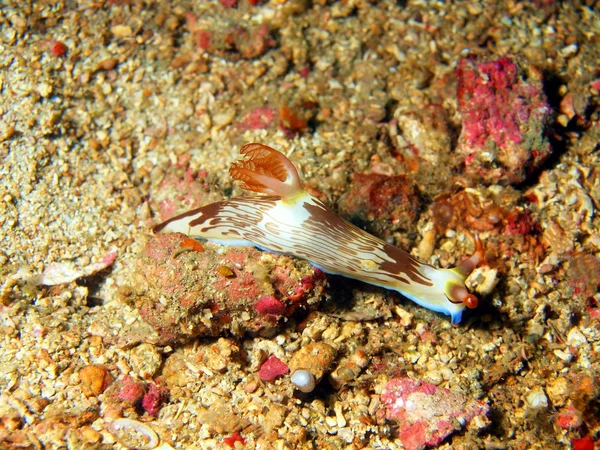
94, 379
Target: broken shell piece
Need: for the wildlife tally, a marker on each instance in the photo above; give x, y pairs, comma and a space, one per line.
54, 274
304, 380
485, 278
349, 369
133, 434
62, 273
536, 398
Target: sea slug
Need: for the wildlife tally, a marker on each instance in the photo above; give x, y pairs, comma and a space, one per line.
288, 220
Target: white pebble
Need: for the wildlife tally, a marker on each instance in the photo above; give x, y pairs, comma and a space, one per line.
303, 380
569, 50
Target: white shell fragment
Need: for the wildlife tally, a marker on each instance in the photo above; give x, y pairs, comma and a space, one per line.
304, 380
537, 399
134, 434
55, 274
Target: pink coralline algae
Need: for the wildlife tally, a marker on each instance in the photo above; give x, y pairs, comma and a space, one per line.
426, 414
270, 305
129, 390
124, 393
154, 398
272, 368
184, 291
257, 119
504, 115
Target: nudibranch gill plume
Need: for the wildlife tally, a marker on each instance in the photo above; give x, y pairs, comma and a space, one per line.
287, 220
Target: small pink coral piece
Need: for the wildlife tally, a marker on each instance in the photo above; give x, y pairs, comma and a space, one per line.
272, 368
426, 414
154, 399
269, 305
131, 391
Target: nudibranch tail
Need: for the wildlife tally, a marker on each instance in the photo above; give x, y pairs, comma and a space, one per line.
266, 170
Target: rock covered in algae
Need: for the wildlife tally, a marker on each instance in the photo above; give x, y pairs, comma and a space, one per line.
504, 115
185, 289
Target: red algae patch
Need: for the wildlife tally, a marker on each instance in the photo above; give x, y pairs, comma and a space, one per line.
183, 293
234, 438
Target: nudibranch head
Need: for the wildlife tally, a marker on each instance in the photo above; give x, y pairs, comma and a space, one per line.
445, 290
445, 293
455, 289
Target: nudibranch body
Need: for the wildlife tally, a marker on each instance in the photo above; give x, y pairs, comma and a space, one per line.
289, 221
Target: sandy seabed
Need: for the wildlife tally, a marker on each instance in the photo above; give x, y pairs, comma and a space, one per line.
115, 115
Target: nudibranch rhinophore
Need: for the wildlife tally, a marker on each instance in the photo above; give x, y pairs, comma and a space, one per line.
288, 220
